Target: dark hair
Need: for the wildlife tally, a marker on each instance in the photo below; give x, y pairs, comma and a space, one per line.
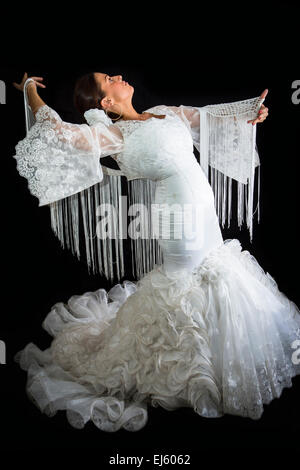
88, 94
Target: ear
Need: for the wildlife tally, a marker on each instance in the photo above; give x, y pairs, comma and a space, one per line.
106, 103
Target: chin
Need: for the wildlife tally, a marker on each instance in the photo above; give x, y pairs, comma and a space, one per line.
130, 90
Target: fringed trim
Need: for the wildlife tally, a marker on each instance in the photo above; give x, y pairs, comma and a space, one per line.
228, 152
222, 186
105, 253
100, 249
145, 250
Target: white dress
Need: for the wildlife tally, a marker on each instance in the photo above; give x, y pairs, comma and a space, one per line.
207, 329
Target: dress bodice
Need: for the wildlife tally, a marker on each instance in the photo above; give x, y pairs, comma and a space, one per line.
154, 148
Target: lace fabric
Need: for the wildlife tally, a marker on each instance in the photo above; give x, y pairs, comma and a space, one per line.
53, 147
62, 164
208, 329
60, 159
228, 153
229, 134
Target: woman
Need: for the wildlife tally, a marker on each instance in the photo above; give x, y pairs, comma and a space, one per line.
207, 329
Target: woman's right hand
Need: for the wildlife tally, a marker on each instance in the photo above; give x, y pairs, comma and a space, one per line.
35, 83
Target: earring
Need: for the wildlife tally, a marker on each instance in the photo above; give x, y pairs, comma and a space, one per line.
116, 118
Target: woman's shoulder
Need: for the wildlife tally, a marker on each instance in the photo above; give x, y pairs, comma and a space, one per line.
159, 109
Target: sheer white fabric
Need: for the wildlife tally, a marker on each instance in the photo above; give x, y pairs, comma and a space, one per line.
208, 329
229, 135
53, 147
61, 162
227, 146
60, 159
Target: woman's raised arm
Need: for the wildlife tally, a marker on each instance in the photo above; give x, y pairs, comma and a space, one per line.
35, 101
59, 158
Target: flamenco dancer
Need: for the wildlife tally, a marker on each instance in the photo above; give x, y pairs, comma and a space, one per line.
206, 327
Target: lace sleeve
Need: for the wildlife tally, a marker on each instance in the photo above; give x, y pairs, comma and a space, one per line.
60, 159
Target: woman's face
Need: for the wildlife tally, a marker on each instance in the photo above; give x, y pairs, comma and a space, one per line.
114, 87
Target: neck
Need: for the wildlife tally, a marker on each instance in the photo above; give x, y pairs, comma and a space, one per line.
128, 112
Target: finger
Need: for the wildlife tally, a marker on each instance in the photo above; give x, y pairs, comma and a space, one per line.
264, 93
264, 113
37, 78
41, 85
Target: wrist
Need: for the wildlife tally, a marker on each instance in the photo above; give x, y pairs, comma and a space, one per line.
28, 85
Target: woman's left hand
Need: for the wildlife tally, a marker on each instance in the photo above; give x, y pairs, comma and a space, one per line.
263, 110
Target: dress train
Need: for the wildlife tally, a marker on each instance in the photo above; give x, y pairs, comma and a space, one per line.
220, 338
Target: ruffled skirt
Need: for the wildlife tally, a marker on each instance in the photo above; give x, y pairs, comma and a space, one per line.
221, 339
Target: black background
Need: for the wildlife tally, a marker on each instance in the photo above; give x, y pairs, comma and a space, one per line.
37, 273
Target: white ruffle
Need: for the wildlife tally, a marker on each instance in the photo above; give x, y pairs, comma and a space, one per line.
218, 339
94, 116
